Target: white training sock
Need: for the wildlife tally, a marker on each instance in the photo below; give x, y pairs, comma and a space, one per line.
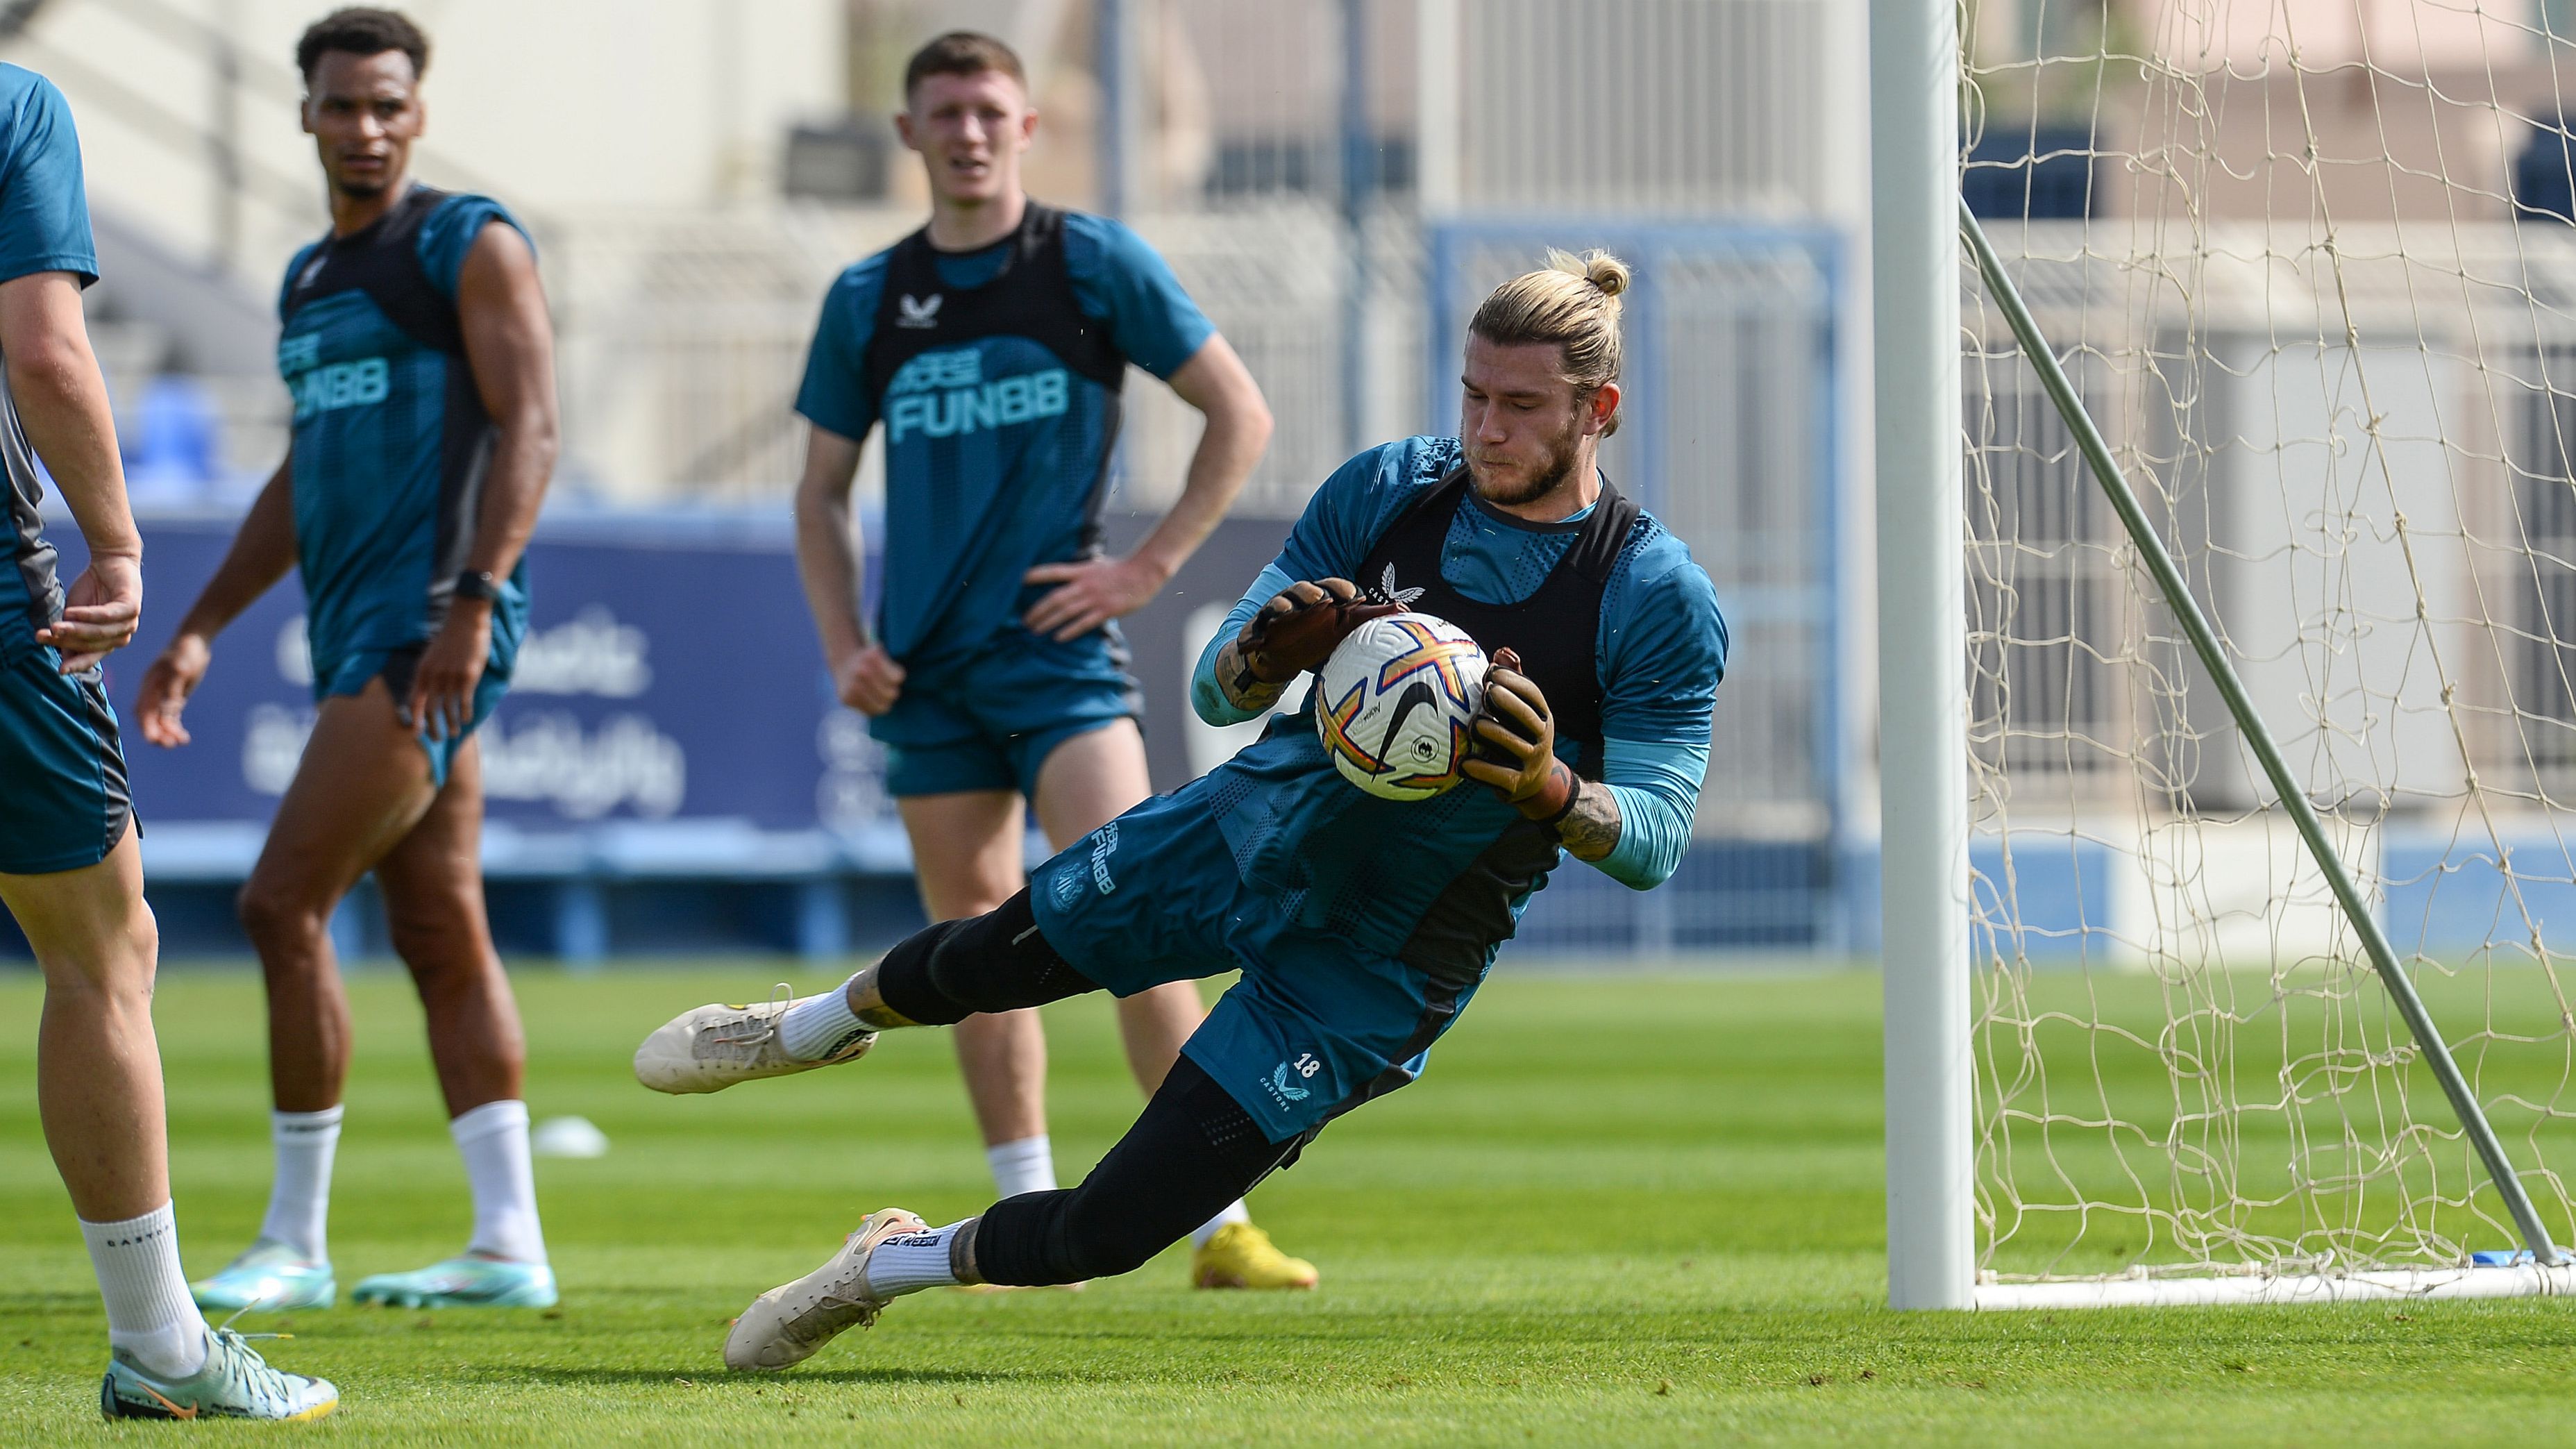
299, 1200
1027, 1165
1235, 1212
149, 1314
493, 1139
821, 1027
910, 1262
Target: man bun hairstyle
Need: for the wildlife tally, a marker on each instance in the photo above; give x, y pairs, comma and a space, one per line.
962, 52
1572, 302
362, 30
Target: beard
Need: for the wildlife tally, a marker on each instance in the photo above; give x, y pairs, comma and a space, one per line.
360, 190
1552, 472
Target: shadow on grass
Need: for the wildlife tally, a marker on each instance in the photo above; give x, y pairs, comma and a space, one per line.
698, 1376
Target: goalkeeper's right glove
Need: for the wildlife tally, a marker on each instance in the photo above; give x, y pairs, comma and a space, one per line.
1299, 629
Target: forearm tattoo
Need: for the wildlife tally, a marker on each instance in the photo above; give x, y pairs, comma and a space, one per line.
1591, 830
1255, 695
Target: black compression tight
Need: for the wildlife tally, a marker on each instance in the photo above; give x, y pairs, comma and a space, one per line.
993, 962
1193, 1151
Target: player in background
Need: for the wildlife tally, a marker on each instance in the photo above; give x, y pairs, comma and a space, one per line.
417, 349
992, 345
71, 873
1362, 926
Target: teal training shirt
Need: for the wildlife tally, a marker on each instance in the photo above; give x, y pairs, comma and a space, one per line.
1661, 649
391, 437
967, 517
44, 227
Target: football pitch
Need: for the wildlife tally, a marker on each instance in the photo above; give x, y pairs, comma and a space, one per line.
1620, 1209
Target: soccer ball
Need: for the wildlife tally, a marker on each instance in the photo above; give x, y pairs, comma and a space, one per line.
1394, 702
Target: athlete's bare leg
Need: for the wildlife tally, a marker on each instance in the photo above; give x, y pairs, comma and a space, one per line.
966, 854
363, 784
1086, 782
433, 885
98, 1064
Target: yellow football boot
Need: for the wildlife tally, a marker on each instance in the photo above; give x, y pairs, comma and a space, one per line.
1242, 1256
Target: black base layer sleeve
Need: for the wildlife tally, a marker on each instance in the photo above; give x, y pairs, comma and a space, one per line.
997, 961
1192, 1152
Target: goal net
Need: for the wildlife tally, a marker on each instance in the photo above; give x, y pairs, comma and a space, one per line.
2311, 267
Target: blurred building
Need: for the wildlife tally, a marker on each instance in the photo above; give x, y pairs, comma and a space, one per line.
1337, 181
2310, 264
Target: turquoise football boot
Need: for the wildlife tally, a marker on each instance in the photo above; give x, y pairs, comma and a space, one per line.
271, 1278
235, 1383
466, 1282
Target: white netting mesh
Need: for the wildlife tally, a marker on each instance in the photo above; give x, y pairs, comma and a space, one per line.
2298, 258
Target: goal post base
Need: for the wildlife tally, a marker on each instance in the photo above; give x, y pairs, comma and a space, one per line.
2373, 1286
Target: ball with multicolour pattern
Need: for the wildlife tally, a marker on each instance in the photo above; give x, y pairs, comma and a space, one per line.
1394, 703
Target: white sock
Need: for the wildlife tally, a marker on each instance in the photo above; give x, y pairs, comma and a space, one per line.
149, 1314
299, 1200
910, 1262
1235, 1212
1027, 1165
493, 1139
820, 1027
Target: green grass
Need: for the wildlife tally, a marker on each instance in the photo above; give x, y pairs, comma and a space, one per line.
1619, 1210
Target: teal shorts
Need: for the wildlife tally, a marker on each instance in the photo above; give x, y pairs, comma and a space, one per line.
64, 798
352, 675
989, 722
1314, 1027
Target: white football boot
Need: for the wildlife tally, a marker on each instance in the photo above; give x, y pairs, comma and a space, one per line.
235, 1383
713, 1047
784, 1326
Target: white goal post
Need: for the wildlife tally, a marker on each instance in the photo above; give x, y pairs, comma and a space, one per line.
2154, 1032
1922, 637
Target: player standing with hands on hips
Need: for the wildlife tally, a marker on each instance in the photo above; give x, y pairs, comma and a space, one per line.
71, 874
1362, 926
991, 345
418, 352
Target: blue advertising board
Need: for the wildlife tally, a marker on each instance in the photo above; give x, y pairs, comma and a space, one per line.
671, 736
670, 678
670, 674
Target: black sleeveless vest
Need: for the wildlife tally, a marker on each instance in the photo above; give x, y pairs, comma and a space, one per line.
382, 259
1556, 631
1031, 297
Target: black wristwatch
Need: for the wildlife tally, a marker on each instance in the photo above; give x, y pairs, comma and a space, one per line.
474, 584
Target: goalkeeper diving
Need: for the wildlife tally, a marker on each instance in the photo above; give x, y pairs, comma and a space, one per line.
1361, 926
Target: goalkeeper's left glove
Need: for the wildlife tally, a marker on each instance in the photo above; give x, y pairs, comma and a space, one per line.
1516, 745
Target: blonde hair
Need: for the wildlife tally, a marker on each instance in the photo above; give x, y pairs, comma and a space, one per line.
1572, 302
